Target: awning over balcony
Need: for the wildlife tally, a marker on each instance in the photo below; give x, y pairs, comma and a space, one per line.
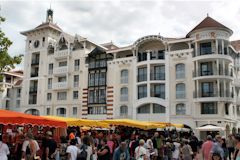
210, 127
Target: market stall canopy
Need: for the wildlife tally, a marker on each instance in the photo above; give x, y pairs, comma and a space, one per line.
133, 123
17, 118
210, 127
79, 122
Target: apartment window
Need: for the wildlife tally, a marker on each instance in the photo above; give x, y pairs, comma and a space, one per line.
158, 108
97, 110
144, 109
50, 68
49, 96
75, 94
18, 92
158, 90
207, 89
102, 78
161, 54
102, 96
49, 83
205, 48
124, 76
33, 112
50, 49
238, 110
91, 79
180, 109
180, 71
74, 111
76, 80
62, 79
61, 112
206, 69
43, 41
142, 56
158, 73
123, 110
180, 91
124, 94
48, 111
62, 96
76, 64
17, 103
142, 74
142, 91
63, 63
209, 108
32, 99
97, 96
226, 108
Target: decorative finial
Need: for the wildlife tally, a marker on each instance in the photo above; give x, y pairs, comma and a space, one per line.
49, 17
207, 15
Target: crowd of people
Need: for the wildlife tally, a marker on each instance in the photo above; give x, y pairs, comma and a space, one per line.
122, 145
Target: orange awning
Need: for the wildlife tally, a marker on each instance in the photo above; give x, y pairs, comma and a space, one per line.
17, 118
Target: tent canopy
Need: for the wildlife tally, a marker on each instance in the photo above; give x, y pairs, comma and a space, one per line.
17, 118
210, 127
73, 122
133, 123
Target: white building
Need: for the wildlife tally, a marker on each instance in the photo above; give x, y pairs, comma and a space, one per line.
191, 80
10, 90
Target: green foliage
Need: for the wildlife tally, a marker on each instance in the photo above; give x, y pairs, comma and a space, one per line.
7, 62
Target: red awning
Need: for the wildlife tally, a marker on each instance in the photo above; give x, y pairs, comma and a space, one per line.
17, 118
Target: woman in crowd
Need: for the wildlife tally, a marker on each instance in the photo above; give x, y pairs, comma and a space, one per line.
104, 151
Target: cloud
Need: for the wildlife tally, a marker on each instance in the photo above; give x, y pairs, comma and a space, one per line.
123, 22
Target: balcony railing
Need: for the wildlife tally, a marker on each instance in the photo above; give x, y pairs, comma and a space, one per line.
60, 85
61, 54
214, 72
60, 70
34, 74
142, 78
98, 64
222, 93
33, 90
35, 62
157, 76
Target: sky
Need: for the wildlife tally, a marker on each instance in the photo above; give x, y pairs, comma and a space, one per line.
119, 21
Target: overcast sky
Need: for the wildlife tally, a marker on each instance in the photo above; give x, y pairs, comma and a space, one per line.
123, 22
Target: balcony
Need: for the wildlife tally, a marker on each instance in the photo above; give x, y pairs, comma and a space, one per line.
157, 76
61, 54
214, 72
60, 86
214, 94
33, 90
35, 62
60, 70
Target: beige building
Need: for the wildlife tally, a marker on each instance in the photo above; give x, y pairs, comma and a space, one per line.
10, 90
192, 80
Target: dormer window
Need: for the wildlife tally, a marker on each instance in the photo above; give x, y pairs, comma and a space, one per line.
77, 45
62, 44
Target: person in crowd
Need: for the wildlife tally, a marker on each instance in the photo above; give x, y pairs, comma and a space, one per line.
224, 147
110, 144
157, 144
206, 148
140, 151
85, 149
194, 144
30, 148
168, 148
216, 156
176, 152
133, 144
230, 146
72, 150
51, 147
236, 155
186, 151
217, 147
150, 148
4, 150
121, 153
18, 147
104, 152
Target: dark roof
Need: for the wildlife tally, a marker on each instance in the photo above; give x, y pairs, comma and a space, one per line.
19, 82
209, 22
236, 45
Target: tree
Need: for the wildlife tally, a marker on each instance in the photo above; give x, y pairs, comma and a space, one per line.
7, 62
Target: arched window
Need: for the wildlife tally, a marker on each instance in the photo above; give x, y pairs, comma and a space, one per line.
124, 94
123, 110
62, 44
32, 112
50, 49
180, 71
158, 108
180, 109
124, 76
180, 91
61, 112
144, 109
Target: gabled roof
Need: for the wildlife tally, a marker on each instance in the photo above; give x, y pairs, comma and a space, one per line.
49, 25
209, 22
236, 45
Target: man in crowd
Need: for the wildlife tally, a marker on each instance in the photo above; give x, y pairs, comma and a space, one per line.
206, 148
4, 150
217, 147
51, 146
121, 153
30, 147
230, 146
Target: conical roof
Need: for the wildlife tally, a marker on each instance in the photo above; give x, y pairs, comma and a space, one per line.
209, 22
